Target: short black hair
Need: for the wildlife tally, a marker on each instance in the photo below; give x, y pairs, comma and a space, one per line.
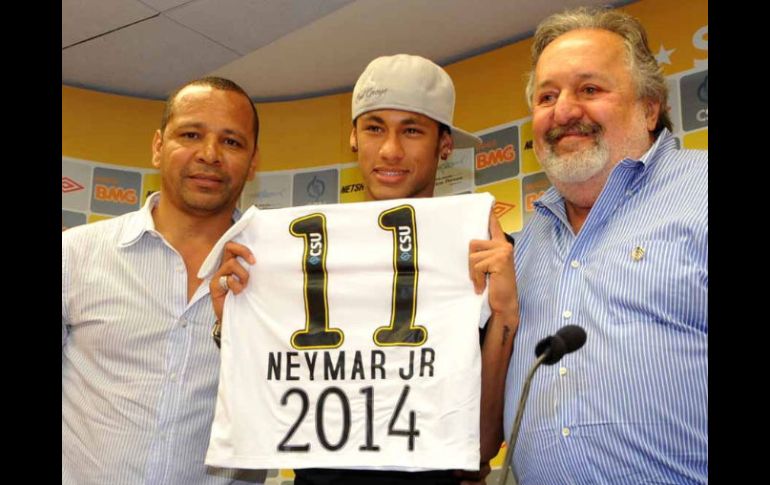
217, 83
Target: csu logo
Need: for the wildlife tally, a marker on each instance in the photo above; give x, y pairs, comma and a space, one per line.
405, 242
316, 248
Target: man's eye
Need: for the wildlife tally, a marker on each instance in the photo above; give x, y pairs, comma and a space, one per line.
546, 98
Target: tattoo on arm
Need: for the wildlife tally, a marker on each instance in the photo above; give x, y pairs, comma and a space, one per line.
506, 332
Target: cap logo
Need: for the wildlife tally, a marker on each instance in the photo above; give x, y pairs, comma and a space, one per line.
371, 92
405, 82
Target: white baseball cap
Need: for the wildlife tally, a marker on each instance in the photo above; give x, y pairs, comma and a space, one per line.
410, 83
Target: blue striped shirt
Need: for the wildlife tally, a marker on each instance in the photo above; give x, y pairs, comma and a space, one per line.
139, 368
631, 406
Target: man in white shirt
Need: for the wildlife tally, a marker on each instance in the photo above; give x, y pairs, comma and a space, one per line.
139, 371
402, 114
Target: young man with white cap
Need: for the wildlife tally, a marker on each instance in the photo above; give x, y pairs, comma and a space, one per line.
402, 114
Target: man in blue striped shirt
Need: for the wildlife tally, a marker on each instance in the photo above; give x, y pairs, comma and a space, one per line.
139, 370
619, 246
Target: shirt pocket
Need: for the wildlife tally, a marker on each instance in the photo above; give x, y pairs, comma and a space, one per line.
652, 280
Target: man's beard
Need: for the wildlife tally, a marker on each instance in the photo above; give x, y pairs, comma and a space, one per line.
577, 166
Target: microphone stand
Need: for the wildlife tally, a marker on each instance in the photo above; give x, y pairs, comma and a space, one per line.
507, 462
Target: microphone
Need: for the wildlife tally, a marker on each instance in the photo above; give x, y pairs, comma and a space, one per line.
548, 351
568, 339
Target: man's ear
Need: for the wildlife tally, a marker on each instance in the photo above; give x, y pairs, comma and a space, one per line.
651, 113
445, 145
353, 140
157, 144
255, 159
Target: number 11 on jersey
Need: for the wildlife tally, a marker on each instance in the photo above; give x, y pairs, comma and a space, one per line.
401, 331
400, 222
316, 334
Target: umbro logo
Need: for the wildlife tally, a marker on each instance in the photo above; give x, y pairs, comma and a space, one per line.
69, 185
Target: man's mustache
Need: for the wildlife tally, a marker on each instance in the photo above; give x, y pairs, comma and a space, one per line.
578, 128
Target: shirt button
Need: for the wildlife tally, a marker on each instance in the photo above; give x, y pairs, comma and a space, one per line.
575, 263
163, 437
629, 193
566, 314
562, 371
565, 432
183, 323
173, 376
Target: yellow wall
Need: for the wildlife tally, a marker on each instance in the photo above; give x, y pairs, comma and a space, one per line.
305, 133
108, 128
118, 129
314, 132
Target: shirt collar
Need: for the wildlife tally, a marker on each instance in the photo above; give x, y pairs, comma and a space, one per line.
141, 222
664, 143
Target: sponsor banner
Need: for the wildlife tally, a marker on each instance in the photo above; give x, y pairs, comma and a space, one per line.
97, 217
75, 184
497, 157
529, 163
694, 92
315, 187
115, 192
674, 103
698, 140
533, 186
455, 174
507, 206
150, 185
71, 219
103, 190
267, 191
351, 184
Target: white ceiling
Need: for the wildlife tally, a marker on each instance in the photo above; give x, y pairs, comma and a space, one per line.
277, 49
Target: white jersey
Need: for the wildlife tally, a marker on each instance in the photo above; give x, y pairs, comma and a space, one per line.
355, 343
